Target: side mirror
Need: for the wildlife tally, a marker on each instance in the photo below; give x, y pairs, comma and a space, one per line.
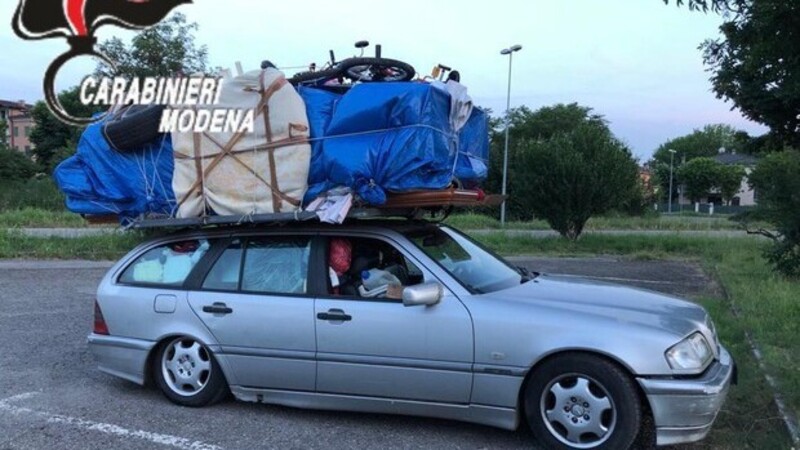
426, 294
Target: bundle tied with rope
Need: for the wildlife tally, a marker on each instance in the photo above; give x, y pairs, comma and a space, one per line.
241, 173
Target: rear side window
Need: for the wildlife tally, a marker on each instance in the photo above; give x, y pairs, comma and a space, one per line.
166, 265
276, 265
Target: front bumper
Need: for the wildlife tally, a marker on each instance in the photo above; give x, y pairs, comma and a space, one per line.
122, 357
684, 409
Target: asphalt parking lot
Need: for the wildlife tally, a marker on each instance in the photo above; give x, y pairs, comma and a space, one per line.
51, 395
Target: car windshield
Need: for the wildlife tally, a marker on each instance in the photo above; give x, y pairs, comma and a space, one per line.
474, 267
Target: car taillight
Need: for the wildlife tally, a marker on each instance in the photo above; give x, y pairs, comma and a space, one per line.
100, 326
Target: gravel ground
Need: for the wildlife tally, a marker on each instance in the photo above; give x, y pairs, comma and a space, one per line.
51, 395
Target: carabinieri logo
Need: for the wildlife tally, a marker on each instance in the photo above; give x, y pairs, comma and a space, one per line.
77, 21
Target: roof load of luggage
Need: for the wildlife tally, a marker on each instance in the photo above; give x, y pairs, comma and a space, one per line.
359, 133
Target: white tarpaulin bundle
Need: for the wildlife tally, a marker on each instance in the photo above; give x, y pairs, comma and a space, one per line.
242, 173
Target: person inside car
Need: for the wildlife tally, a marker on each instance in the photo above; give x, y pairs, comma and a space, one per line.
340, 256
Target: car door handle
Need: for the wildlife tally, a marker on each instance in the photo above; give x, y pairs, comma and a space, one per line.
335, 315
217, 308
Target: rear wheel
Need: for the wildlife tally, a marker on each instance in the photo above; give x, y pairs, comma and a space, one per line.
582, 401
188, 374
377, 69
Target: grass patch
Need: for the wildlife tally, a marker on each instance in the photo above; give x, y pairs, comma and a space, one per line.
769, 304
37, 193
104, 247
40, 218
473, 221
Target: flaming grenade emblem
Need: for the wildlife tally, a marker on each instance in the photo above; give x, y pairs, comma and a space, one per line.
77, 21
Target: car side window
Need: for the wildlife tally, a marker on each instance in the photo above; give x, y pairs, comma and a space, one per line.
224, 274
276, 265
165, 265
369, 268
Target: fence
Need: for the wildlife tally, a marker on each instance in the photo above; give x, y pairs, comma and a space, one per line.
702, 209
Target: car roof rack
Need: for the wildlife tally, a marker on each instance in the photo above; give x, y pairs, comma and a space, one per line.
432, 205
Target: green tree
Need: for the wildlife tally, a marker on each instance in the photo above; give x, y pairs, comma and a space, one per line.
549, 121
528, 126
15, 166
721, 6
705, 142
776, 178
729, 181
3, 134
50, 136
755, 63
575, 175
167, 49
698, 177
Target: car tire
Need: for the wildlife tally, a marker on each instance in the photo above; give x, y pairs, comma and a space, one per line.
187, 373
581, 401
133, 127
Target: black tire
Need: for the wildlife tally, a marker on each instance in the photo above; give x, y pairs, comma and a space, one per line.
606, 384
133, 127
348, 69
401, 71
214, 387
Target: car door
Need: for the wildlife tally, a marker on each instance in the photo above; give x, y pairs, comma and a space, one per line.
254, 299
379, 348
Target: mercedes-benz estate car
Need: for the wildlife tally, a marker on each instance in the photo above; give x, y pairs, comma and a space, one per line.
407, 317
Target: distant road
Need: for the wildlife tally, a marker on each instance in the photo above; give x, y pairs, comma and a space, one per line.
65, 232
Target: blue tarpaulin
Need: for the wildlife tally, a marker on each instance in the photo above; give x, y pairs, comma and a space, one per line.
391, 137
99, 180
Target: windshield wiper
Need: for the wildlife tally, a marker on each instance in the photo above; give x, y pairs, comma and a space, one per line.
526, 274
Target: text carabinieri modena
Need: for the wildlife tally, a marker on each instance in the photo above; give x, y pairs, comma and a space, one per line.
181, 97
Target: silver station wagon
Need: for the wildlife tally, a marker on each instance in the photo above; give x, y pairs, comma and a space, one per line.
407, 317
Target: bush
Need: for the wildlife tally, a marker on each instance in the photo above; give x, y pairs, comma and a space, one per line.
574, 176
776, 179
573, 195
35, 193
15, 166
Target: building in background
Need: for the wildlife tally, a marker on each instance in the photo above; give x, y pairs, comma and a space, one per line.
746, 195
20, 124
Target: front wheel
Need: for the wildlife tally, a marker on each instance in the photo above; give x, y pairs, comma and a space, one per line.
582, 401
188, 374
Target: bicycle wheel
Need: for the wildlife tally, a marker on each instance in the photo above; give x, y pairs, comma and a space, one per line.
376, 69
318, 77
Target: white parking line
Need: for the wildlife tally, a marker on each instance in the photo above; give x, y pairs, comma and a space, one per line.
107, 428
17, 315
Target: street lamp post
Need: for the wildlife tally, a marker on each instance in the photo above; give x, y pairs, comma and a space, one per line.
671, 161
510, 52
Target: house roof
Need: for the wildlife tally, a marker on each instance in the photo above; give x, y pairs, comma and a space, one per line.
14, 105
736, 158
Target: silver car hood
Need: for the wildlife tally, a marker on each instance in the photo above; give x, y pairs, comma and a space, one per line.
583, 297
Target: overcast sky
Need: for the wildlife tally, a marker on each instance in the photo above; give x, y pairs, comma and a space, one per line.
634, 61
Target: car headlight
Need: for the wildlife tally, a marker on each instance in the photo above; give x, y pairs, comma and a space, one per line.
713, 328
692, 353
